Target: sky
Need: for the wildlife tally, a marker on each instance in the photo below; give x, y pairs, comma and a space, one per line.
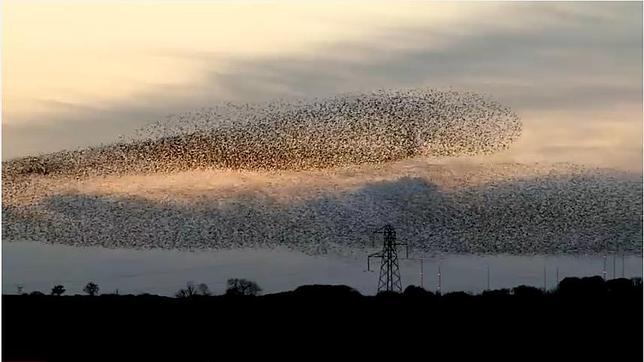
77, 73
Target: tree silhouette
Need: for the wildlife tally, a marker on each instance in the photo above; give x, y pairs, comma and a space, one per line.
58, 290
241, 287
189, 291
203, 289
91, 289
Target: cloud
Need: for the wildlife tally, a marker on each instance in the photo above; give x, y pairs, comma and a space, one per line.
533, 57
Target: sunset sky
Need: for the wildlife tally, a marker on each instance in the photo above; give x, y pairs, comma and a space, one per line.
77, 73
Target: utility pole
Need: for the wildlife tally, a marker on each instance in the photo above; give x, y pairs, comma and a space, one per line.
389, 280
439, 279
557, 276
605, 259
422, 283
422, 270
623, 260
604, 269
488, 277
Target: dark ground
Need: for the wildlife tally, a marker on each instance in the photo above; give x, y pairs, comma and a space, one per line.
584, 319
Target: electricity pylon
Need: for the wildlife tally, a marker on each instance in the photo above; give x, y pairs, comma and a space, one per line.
389, 280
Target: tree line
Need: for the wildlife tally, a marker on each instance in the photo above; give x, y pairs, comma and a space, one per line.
234, 287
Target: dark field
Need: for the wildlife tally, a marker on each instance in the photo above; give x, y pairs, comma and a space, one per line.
583, 319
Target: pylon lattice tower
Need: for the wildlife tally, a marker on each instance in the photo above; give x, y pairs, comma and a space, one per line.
389, 280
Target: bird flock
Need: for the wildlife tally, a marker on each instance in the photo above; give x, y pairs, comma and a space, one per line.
322, 177
349, 129
516, 209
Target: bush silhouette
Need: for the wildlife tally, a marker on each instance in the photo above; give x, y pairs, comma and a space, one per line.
456, 296
619, 286
582, 287
242, 287
416, 292
527, 291
497, 293
91, 289
326, 291
58, 290
388, 294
